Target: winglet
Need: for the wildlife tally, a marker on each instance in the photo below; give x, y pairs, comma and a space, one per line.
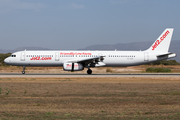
163, 42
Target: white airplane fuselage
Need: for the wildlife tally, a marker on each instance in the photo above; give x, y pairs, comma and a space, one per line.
57, 58
78, 60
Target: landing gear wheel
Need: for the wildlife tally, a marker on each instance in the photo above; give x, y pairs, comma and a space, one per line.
89, 71
24, 67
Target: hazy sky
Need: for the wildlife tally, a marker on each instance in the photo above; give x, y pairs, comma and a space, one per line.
74, 24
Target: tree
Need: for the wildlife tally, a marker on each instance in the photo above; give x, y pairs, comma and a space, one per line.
165, 62
2, 57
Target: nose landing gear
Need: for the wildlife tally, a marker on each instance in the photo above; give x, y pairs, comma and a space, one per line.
24, 67
89, 71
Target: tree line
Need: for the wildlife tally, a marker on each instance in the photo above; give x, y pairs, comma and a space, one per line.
165, 62
2, 57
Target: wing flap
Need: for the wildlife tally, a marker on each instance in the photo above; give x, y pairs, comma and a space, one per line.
87, 60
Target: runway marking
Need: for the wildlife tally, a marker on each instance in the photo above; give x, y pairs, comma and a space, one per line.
92, 75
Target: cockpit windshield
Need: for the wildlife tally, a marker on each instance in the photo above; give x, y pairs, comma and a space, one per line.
13, 56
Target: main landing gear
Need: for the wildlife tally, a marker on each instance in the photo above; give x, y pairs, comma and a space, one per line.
23, 72
89, 71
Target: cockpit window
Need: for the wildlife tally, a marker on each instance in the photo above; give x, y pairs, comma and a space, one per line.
13, 55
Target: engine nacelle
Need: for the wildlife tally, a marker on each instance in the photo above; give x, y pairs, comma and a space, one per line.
73, 67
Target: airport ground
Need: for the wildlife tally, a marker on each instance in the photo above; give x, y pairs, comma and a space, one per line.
89, 98
99, 70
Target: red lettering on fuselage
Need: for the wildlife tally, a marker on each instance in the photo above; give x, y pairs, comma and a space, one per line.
75, 53
40, 58
161, 39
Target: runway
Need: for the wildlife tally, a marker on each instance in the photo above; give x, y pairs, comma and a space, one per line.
92, 75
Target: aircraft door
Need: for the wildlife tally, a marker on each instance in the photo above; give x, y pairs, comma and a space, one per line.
56, 56
23, 56
146, 56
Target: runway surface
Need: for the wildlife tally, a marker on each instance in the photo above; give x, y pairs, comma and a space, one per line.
92, 75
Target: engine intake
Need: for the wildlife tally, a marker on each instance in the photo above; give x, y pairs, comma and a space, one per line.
73, 67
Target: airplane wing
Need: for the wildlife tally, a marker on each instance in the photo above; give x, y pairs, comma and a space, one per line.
95, 61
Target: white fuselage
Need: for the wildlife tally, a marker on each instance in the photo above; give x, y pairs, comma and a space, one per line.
57, 58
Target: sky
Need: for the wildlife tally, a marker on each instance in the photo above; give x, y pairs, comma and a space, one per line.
75, 24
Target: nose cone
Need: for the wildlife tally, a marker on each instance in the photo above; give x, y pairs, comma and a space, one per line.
7, 61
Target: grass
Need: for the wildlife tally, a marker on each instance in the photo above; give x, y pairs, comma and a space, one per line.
109, 70
158, 70
90, 98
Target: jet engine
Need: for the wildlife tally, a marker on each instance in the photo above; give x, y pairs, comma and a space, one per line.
73, 67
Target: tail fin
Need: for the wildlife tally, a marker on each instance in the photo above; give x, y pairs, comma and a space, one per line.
163, 42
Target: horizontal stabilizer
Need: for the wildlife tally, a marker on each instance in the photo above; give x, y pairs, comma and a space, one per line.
161, 55
168, 55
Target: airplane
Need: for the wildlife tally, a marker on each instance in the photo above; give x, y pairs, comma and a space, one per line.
78, 60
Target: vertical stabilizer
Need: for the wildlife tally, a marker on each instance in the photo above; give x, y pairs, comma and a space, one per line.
163, 42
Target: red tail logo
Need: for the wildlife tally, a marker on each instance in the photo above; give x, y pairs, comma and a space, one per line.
159, 41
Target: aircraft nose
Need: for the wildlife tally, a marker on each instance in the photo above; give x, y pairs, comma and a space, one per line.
7, 60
